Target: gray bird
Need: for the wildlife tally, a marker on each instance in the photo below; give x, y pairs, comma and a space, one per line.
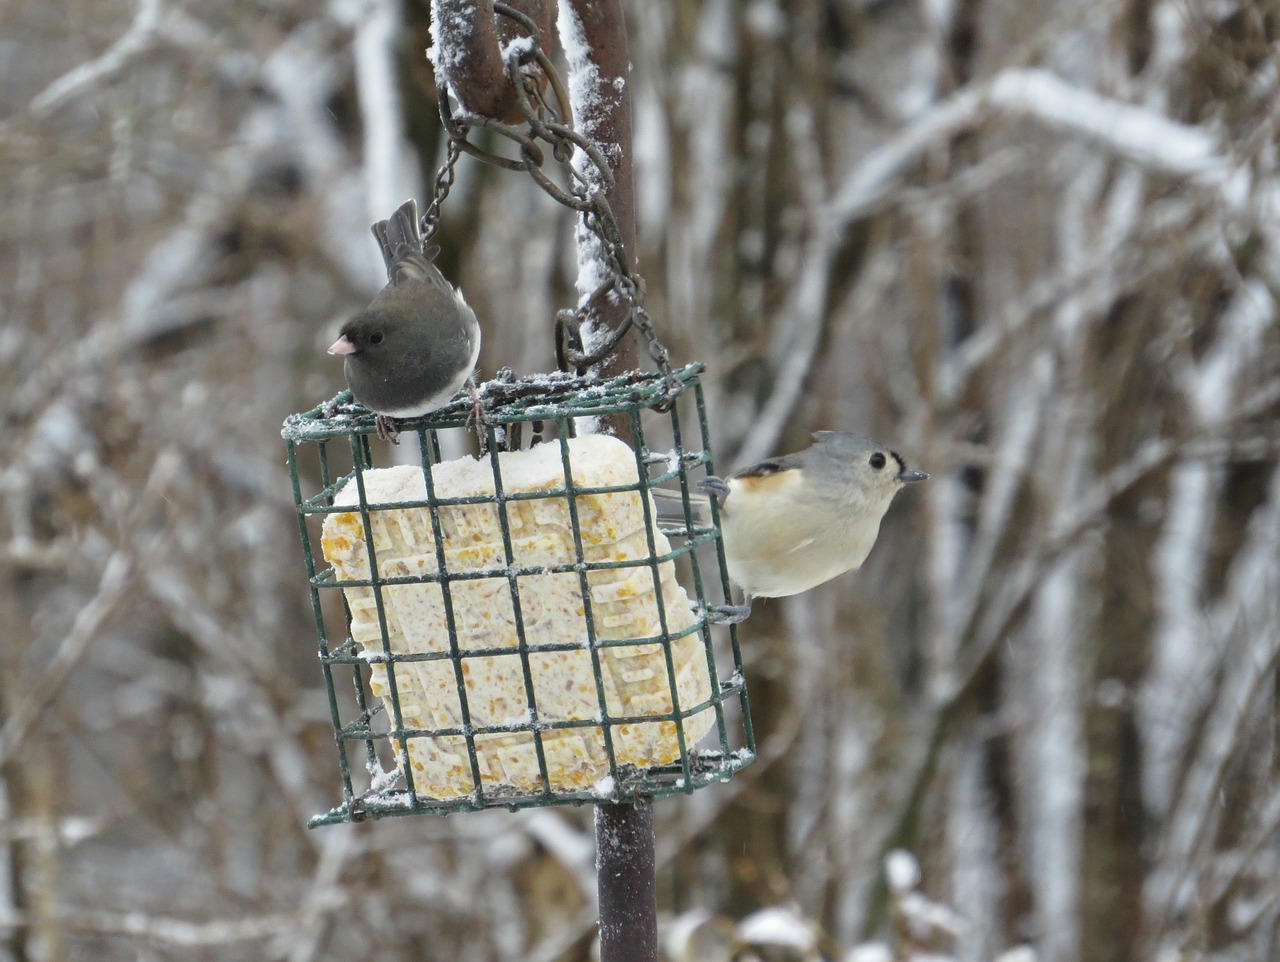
790, 523
415, 346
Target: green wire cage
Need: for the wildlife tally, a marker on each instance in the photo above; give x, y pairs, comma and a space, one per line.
548, 623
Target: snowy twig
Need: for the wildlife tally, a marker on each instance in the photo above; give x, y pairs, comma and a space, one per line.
113, 586
807, 316
807, 310
165, 930
135, 41
304, 939
391, 168
1086, 514
1131, 131
1157, 256
1248, 602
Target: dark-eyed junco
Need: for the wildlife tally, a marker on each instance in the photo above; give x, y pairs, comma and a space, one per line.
412, 349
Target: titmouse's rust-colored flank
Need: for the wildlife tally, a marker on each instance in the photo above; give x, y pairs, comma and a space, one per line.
415, 346
790, 523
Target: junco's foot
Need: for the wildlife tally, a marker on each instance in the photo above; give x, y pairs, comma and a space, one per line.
387, 430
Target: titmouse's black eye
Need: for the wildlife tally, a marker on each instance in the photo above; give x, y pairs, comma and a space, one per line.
877, 461
376, 338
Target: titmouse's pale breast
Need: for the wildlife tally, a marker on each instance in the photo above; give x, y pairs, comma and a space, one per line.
782, 537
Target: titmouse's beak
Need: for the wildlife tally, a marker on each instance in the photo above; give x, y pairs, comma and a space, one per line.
342, 345
912, 475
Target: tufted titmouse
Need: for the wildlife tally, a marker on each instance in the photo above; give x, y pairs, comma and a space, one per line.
414, 347
793, 522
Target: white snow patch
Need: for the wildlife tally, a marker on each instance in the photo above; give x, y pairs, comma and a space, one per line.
926, 918
651, 150
566, 842
939, 15
603, 788
587, 97
779, 926
1133, 130
869, 952
765, 19
517, 48
901, 870
584, 75
1055, 740
380, 778
680, 939
448, 17
1021, 953
522, 720
391, 167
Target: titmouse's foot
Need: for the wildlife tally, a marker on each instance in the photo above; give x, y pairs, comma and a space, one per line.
729, 614
715, 486
387, 429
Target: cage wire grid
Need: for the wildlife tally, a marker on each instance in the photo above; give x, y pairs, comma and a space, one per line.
363, 728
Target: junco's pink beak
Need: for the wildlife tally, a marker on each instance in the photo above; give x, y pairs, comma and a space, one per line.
342, 346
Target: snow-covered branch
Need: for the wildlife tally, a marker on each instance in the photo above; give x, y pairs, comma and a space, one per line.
1133, 132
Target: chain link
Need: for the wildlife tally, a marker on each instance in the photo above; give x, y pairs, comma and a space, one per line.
429, 222
547, 120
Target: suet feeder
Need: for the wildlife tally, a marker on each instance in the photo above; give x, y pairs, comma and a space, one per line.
535, 626
530, 627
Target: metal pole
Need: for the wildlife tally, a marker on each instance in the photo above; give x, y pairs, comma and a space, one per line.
625, 881
624, 832
625, 868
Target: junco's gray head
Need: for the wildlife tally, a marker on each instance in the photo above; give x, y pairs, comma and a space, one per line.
790, 523
414, 347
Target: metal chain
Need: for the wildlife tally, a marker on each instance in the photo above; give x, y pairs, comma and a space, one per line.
546, 120
429, 222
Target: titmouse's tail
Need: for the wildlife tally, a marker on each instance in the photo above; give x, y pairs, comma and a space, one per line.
400, 238
670, 506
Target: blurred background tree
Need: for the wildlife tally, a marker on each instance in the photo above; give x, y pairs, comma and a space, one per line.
1033, 245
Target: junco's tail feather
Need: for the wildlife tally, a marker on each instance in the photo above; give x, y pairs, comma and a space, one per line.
400, 238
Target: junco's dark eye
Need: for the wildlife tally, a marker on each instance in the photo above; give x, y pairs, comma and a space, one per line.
376, 338
877, 461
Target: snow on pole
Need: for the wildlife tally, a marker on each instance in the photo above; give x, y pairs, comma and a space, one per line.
594, 38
